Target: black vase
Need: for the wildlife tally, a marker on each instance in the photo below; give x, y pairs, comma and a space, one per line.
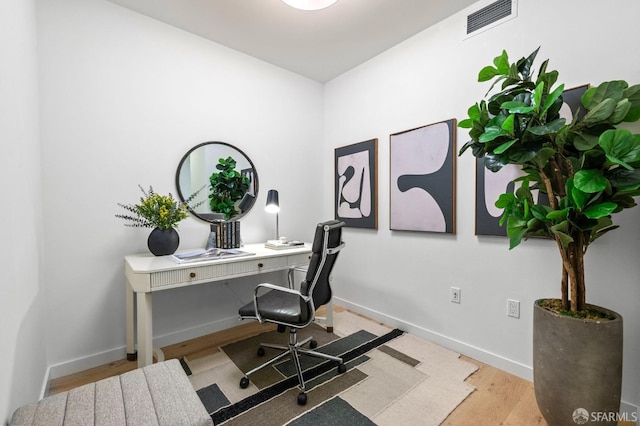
163, 241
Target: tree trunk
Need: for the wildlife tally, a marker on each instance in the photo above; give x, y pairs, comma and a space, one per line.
573, 265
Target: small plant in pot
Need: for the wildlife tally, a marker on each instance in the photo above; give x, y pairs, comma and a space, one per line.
583, 169
160, 212
227, 186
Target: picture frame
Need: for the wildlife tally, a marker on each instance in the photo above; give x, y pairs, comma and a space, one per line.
489, 185
422, 178
355, 182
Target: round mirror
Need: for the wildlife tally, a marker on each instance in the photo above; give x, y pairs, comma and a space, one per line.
222, 177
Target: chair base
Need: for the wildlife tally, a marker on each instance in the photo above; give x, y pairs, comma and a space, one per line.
294, 350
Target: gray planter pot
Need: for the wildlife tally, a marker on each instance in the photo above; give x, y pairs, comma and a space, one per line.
577, 367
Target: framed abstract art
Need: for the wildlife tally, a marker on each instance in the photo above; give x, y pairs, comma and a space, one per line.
422, 178
490, 185
356, 191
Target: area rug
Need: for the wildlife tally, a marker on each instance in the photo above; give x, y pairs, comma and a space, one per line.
392, 378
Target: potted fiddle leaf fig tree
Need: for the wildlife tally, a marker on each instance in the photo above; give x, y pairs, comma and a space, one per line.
576, 173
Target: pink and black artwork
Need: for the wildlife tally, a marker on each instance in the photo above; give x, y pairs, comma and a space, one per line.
422, 178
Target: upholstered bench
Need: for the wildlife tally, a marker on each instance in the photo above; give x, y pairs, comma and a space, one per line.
159, 394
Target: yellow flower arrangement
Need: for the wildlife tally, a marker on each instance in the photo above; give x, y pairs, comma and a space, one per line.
155, 211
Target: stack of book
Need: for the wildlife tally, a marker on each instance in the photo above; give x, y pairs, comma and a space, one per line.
227, 234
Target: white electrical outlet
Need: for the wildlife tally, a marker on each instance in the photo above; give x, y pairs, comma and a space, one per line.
455, 294
513, 308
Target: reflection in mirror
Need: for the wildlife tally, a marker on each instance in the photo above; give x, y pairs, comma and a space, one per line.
196, 170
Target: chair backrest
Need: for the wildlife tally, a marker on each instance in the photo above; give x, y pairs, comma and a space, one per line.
327, 243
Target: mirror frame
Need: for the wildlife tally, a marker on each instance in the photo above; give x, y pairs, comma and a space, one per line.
183, 198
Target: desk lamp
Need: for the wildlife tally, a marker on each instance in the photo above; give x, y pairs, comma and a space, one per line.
273, 206
246, 202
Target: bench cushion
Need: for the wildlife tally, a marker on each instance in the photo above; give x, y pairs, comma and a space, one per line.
159, 394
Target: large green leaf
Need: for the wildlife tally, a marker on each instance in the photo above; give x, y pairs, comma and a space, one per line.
502, 148
600, 112
502, 63
590, 181
578, 198
537, 95
516, 230
507, 124
613, 90
491, 133
620, 112
487, 73
551, 98
622, 178
525, 65
621, 147
543, 156
549, 128
633, 95
584, 141
516, 107
467, 123
600, 210
558, 215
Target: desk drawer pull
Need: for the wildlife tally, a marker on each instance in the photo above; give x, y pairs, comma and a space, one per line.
260, 265
192, 275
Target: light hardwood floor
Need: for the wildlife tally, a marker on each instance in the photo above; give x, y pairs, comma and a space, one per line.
500, 398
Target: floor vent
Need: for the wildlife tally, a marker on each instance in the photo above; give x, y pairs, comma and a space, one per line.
490, 15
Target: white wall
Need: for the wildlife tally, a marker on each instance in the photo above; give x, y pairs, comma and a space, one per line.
23, 357
404, 277
123, 97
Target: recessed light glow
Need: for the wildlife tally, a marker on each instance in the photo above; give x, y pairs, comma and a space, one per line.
309, 4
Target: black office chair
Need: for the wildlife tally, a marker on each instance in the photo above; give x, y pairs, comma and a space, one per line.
295, 309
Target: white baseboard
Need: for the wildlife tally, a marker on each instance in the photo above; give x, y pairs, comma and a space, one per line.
510, 366
116, 354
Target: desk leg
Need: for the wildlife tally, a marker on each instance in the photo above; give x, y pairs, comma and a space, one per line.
330, 316
145, 329
131, 348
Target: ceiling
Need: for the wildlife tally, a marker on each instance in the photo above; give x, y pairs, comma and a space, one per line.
318, 44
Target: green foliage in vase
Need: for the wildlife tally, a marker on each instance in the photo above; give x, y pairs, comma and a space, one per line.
588, 168
156, 211
227, 186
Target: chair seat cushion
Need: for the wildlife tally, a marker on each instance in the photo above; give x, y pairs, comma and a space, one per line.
278, 306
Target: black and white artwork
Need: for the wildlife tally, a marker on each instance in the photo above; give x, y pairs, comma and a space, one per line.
422, 178
356, 184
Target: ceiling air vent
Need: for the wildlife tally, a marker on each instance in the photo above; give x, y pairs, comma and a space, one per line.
490, 15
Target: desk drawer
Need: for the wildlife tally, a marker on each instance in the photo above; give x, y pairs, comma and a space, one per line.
217, 272
298, 259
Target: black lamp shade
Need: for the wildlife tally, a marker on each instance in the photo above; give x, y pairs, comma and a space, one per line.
246, 202
273, 205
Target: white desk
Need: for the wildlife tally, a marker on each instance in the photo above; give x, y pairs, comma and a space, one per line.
146, 273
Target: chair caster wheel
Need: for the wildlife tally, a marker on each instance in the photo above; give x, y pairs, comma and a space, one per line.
244, 383
260, 351
302, 398
342, 368
313, 344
